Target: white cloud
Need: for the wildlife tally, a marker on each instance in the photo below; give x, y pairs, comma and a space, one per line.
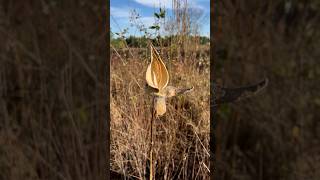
156, 3
168, 3
147, 21
119, 12
121, 15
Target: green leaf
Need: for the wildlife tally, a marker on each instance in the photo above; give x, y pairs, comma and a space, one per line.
155, 27
156, 15
162, 13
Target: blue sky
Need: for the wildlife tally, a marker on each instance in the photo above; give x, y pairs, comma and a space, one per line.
120, 11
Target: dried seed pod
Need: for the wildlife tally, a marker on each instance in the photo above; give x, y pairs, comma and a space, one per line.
157, 75
226, 95
157, 78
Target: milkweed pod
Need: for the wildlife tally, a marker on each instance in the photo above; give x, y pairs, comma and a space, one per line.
160, 106
157, 75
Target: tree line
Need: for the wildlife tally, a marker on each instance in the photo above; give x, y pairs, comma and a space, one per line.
142, 42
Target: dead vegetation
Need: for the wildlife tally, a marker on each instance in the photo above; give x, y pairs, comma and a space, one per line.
50, 90
276, 134
181, 147
181, 137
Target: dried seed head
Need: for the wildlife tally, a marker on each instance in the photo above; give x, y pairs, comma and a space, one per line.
157, 78
157, 75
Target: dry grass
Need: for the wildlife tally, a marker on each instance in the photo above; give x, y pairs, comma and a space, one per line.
50, 84
181, 137
181, 147
276, 134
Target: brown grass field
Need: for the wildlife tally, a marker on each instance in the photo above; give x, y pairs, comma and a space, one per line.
181, 140
274, 135
52, 57
51, 66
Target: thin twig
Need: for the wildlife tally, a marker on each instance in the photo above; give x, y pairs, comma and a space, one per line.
151, 139
125, 42
123, 62
79, 56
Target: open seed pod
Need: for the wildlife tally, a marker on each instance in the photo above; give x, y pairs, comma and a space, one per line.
157, 75
157, 78
227, 95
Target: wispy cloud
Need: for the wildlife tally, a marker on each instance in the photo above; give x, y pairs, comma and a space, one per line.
119, 12
156, 3
168, 4
147, 21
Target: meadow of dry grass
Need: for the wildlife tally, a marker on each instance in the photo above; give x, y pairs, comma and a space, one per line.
181, 147
52, 111
274, 135
51, 84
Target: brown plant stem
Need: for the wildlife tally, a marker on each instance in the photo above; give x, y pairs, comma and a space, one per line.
151, 138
